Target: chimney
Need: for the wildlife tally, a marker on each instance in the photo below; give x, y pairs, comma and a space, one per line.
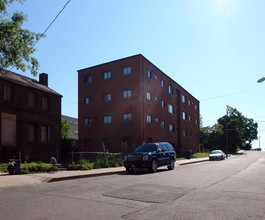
43, 78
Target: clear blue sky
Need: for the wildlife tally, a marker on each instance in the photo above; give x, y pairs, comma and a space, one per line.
215, 49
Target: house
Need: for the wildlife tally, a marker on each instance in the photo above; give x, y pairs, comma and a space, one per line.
73, 125
130, 101
30, 118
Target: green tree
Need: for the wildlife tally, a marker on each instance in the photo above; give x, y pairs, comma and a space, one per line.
241, 131
17, 43
65, 128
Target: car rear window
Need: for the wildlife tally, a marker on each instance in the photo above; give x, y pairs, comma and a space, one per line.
146, 148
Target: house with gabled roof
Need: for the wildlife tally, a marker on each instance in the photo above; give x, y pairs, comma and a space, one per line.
30, 118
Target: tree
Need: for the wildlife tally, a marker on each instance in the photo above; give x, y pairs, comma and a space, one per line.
241, 131
65, 128
17, 43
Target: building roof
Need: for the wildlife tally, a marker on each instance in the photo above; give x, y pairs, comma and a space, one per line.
25, 81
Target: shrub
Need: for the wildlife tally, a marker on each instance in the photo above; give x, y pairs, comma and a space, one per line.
108, 160
80, 165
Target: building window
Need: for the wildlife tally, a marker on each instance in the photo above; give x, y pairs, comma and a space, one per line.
196, 121
148, 74
196, 107
170, 128
183, 99
107, 119
184, 116
88, 142
88, 121
170, 90
70, 123
148, 96
156, 120
163, 103
190, 133
76, 123
32, 99
107, 75
126, 70
76, 132
156, 98
127, 93
88, 100
162, 83
149, 119
188, 102
127, 117
45, 103
88, 79
184, 132
162, 124
107, 97
70, 132
32, 131
189, 118
8, 93
45, 134
170, 108
127, 140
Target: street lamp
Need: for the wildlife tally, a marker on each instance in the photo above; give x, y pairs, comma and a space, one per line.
261, 80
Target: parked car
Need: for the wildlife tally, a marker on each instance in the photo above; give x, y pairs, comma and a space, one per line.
217, 155
151, 156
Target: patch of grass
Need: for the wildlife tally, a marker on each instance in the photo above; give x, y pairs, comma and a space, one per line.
201, 155
180, 158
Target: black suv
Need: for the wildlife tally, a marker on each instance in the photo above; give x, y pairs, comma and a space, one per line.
151, 156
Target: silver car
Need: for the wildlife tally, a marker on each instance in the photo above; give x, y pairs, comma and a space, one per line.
217, 155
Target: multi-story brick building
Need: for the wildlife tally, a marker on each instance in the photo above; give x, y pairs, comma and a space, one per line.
132, 101
30, 117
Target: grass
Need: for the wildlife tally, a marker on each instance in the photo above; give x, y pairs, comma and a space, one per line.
201, 155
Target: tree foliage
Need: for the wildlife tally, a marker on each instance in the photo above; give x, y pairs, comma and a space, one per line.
233, 129
17, 43
65, 128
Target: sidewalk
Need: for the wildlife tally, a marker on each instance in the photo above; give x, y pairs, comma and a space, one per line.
7, 180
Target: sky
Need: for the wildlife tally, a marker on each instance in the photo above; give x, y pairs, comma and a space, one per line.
215, 49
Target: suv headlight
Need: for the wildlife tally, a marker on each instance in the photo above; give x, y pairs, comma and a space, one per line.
145, 157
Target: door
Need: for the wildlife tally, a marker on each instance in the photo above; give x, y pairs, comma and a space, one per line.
8, 129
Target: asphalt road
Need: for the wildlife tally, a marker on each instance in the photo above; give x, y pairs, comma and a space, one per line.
229, 189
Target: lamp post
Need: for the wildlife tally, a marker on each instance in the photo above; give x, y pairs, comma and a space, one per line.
261, 80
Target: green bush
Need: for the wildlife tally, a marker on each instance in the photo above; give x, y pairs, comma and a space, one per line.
108, 160
80, 165
37, 167
3, 166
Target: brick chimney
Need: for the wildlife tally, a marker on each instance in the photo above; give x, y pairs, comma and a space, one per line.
43, 78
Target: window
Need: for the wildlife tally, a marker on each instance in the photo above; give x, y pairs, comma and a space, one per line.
189, 118
107, 97
196, 121
88, 100
70, 123
76, 132
32, 132
126, 70
163, 103
162, 83
107, 75
196, 107
45, 134
190, 133
107, 142
184, 116
127, 93
88, 121
107, 119
156, 77
189, 102
156, 120
127, 117
162, 124
88, 79
148, 74
32, 99
170, 90
76, 123
184, 132
170, 108
156, 98
127, 140
45, 103
88, 142
170, 128
70, 132
8, 93
183, 99
148, 96
149, 119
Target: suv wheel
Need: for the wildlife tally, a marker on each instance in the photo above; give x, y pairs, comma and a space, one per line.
129, 169
172, 164
154, 166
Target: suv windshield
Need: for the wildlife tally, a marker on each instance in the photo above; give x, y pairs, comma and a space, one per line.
146, 148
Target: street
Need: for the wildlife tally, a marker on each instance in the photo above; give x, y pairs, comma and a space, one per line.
230, 189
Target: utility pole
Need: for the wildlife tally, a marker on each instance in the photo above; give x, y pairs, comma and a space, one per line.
226, 133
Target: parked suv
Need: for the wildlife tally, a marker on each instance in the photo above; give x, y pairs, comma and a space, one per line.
151, 156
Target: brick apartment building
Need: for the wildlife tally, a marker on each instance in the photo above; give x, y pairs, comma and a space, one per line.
30, 118
73, 124
132, 101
